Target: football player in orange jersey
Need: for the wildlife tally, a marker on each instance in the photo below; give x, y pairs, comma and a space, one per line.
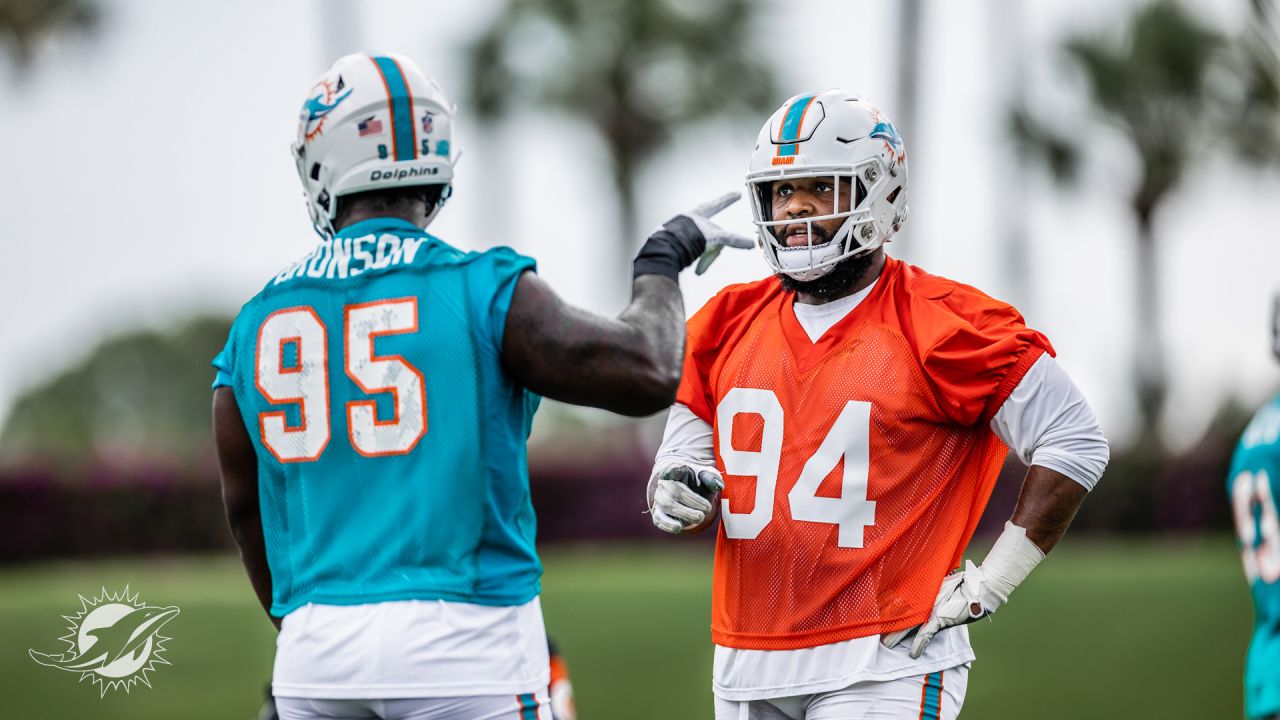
852, 412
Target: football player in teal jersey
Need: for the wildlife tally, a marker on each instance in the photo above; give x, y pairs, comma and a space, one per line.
1253, 486
371, 408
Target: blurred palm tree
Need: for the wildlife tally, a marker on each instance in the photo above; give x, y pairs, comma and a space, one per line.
1256, 129
634, 70
24, 24
1165, 88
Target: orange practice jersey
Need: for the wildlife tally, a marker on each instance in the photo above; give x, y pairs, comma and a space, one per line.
855, 468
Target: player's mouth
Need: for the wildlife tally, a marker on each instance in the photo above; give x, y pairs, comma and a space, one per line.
798, 235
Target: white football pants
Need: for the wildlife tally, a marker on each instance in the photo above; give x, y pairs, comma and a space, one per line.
533, 706
936, 696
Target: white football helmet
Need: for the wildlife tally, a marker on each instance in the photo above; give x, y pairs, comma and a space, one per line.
830, 134
372, 122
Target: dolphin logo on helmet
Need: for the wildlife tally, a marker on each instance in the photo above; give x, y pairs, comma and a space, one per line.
839, 135
321, 105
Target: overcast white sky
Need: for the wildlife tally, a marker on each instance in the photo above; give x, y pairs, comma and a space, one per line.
146, 175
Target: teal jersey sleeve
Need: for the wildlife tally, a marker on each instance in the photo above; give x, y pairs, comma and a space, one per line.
223, 363
494, 284
495, 278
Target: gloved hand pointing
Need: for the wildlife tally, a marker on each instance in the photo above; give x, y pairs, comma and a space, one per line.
687, 237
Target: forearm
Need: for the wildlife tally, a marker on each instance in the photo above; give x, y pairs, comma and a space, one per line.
1046, 506
685, 461
1049, 425
246, 530
1048, 502
656, 319
629, 364
238, 466
686, 438
635, 358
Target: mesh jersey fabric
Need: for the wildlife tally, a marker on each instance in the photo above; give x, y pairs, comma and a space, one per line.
934, 359
451, 518
1256, 463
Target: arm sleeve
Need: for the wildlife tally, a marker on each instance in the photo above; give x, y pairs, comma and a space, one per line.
686, 439
1046, 421
497, 274
976, 364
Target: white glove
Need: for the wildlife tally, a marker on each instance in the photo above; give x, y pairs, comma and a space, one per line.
682, 496
960, 601
975, 592
717, 237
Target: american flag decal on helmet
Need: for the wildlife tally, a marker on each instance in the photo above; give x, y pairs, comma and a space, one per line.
369, 126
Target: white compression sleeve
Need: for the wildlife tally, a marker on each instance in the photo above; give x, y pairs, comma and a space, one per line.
1046, 421
686, 439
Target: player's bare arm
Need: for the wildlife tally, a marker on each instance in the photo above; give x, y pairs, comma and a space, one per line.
1046, 506
238, 464
1051, 428
629, 364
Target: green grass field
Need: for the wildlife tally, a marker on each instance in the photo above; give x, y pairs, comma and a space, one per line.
1104, 629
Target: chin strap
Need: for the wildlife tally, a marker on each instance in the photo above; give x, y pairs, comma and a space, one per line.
844, 239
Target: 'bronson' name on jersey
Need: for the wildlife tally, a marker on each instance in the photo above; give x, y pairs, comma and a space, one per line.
846, 531
344, 257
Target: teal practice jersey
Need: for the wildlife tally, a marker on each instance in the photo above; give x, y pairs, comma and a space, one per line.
1253, 486
391, 445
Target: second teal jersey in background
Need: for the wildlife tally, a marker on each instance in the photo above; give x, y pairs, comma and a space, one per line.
1254, 486
391, 444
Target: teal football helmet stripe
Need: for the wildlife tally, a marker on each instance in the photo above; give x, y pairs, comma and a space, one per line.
403, 133
791, 125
